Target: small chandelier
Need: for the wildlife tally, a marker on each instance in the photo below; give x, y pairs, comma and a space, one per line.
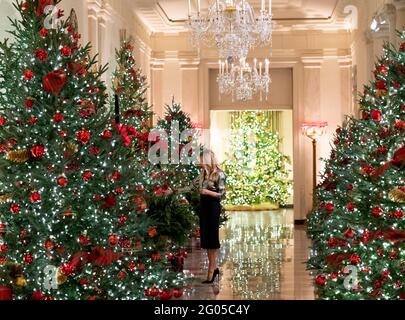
243, 81
231, 26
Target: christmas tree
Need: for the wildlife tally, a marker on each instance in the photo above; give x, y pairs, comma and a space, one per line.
255, 167
358, 227
73, 221
130, 86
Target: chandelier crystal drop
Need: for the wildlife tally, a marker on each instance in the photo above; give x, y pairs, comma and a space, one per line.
231, 26
243, 81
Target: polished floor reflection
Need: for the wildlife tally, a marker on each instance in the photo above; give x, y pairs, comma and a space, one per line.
256, 260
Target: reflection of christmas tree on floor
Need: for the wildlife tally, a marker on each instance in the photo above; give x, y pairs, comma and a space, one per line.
255, 167
359, 226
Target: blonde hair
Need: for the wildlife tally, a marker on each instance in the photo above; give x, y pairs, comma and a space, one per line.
210, 165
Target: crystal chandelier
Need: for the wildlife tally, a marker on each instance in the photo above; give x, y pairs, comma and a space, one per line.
242, 81
231, 26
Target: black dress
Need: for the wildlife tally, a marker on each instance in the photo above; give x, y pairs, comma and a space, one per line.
210, 210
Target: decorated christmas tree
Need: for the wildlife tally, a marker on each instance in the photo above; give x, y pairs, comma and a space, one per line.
255, 167
73, 211
358, 228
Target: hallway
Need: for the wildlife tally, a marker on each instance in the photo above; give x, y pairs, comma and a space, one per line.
256, 260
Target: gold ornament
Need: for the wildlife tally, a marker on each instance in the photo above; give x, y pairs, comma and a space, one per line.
4, 198
60, 277
72, 148
19, 156
397, 195
20, 281
381, 92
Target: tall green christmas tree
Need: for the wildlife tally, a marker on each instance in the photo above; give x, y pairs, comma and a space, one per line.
358, 228
255, 167
73, 206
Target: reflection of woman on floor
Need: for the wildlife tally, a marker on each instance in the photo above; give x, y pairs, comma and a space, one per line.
212, 189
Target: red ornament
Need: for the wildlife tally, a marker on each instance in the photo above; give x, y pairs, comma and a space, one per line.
381, 85
54, 81
350, 206
3, 248
119, 190
41, 55
152, 232
121, 275
83, 136
122, 219
43, 32
38, 295
84, 282
398, 214
115, 175
109, 202
349, 233
66, 51
67, 269
320, 280
94, 150
355, 259
28, 259
107, 134
382, 149
3, 121
35, 197
376, 115
154, 292
6, 293
32, 120
28, 75
29, 103
84, 240
49, 245
177, 293
87, 175
330, 207
62, 181
165, 295
376, 212
63, 134
138, 200
15, 208
38, 151
58, 117
155, 256
113, 239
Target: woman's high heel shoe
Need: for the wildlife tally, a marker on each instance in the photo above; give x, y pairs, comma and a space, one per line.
214, 275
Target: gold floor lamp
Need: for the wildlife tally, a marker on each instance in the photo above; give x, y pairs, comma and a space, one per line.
314, 130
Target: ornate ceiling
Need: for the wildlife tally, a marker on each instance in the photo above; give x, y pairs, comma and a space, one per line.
170, 15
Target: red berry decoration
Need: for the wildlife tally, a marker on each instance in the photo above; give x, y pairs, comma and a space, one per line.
66, 51
330, 207
58, 117
177, 293
38, 151
62, 181
67, 269
35, 197
28, 75
152, 232
49, 245
320, 280
28, 259
95, 151
83, 136
350, 206
38, 295
376, 115
15, 208
43, 32
154, 292
3, 121
121, 275
54, 82
376, 212
113, 239
28, 103
41, 55
355, 259
84, 240
87, 176
107, 134
349, 233
165, 294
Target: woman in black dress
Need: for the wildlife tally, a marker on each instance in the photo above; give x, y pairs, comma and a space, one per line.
212, 189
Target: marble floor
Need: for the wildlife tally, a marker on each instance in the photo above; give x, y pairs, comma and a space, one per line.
262, 257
